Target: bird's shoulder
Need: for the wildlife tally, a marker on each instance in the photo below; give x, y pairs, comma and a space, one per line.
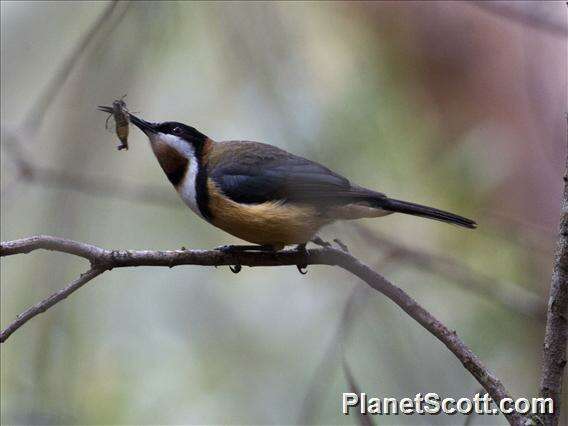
243, 154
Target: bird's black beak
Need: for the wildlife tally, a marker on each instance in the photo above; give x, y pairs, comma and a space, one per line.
143, 125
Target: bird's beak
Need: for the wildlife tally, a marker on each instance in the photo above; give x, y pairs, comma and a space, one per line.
147, 127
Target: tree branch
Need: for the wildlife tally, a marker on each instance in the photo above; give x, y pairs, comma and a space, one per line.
509, 295
538, 15
45, 304
103, 259
34, 117
362, 419
556, 334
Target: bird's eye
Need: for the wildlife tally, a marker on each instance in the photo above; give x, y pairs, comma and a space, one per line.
176, 130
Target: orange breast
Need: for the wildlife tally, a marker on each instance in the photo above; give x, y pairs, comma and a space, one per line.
272, 223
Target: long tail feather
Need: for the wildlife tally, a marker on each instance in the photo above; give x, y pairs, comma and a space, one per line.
400, 206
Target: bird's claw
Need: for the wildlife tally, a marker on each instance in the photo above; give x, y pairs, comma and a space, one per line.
341, 245
226, 249
319, 242
303, 268
245, 248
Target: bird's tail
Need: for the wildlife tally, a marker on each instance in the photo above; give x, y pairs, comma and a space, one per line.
398, 206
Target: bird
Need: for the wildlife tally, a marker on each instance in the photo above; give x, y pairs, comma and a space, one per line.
263, 194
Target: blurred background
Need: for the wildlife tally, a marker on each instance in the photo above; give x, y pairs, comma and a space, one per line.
456, 105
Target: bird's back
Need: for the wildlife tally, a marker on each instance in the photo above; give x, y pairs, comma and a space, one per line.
254, 172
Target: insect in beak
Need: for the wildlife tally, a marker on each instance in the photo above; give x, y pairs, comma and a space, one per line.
147, 127
121, 120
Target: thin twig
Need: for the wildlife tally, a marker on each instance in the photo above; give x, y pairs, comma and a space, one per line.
103, 259
510, 296
362, 419
12, 138
102, 187
321, 378
471, 416
35, 174
526, 13
556, 334
45, 304
37, 112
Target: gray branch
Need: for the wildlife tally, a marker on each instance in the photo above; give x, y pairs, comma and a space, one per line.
509, 295
45, 304
34, 117
556, 334
102, 260
539, 15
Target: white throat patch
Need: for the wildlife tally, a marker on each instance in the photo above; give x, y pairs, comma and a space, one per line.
186, 188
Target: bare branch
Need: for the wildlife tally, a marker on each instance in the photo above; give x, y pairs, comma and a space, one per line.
12, 139
508, 295
362, 419
45, 304
538, 15
103, 259
35, 116
471, 416
556, 335
46, 242
31, 173
101, 186
321, 377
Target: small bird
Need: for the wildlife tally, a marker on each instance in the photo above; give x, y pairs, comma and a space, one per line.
263, 194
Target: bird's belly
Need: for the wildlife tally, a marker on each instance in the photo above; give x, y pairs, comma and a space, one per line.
271, 223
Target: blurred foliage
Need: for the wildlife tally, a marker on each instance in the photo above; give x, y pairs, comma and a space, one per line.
440, 103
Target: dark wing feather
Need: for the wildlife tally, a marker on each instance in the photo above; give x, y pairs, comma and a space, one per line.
266, 173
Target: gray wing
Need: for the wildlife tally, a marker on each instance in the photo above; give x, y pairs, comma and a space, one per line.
262, 173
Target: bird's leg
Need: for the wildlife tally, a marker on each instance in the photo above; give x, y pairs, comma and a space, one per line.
319, 242
303, 268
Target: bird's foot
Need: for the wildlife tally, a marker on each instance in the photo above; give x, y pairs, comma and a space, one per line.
303, 268
341, 245
235, 269
233, 249
243, 248
319, 242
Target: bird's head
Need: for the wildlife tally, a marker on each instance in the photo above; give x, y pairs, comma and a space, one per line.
172, 136
177, 146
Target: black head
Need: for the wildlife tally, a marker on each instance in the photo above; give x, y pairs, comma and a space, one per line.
170, 132
182, 131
